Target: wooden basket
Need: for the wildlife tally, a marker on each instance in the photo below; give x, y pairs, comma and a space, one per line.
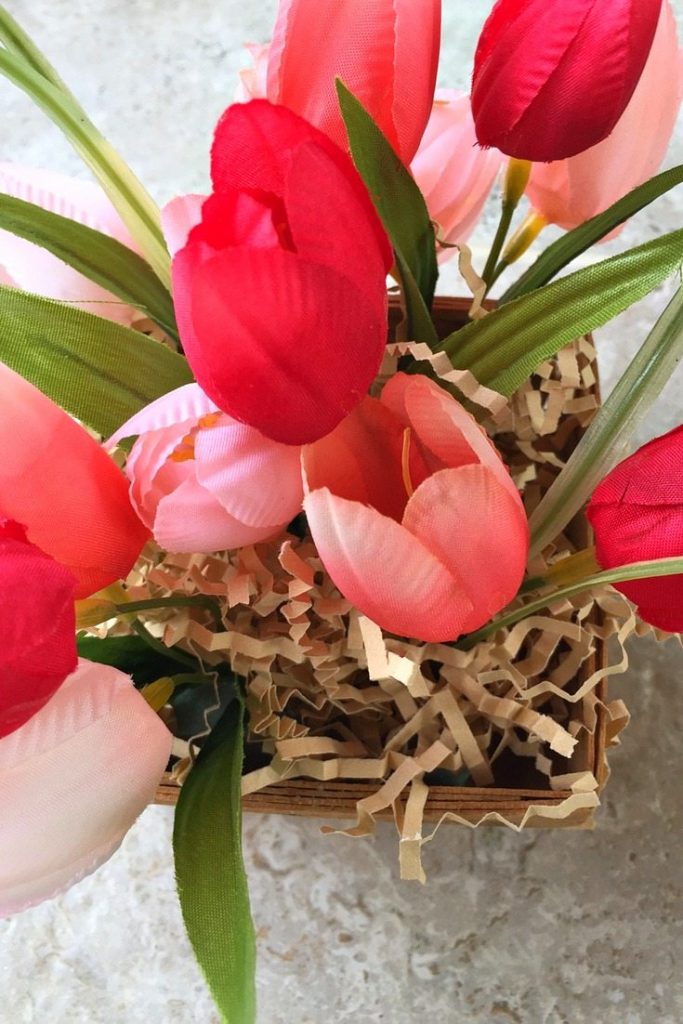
337, 800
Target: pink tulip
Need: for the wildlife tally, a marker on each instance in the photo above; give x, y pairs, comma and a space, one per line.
33, 268
385, 51
454, 175
253, 80
414, 515
201, 481
58, 483
72, 782
569, 192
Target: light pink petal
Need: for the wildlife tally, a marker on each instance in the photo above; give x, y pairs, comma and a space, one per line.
72, 782
443, 426
386, 572
184, 405
6, 278
256, 480
147, 458
253, 80
189, 519
477, 530
178, 218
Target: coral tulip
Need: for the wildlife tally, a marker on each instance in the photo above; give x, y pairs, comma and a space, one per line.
64, 489
72, 782
33, 268
38, 649
414, 515
453, 174
201, 481
385, 51
571, 191
280, 291
637, 515
553, 77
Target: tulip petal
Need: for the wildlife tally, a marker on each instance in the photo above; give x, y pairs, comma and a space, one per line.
72, 782
477, 530
256, 480
287, 346
183, 405
385, 571
179, 217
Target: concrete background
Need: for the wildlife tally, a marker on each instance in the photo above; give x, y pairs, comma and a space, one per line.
542, 928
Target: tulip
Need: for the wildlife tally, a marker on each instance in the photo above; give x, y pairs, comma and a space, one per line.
201, 481
386, 52
570, 192
64, 489
280, 291
72, 782
637, 515
33, 268
454, 176
553, 77
414, 515
38, 649
253, 80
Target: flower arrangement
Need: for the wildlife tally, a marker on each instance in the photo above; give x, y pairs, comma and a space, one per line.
266, 513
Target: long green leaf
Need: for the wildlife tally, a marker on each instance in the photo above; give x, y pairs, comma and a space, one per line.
505, 348
561, 253
16, 40
604, 442
97, 370
401, 208
212, 883
136, 208
100, 258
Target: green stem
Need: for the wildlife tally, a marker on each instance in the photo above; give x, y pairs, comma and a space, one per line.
634, 571
135, 207
192, 601
504, 224
169, 652
605, 441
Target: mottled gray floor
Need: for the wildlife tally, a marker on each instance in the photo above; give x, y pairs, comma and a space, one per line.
543, 928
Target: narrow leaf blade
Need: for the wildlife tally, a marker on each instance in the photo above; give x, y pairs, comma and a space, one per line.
97, 370
212, 883
98, 257
561, 253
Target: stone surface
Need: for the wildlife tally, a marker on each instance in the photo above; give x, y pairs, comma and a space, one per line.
538, 928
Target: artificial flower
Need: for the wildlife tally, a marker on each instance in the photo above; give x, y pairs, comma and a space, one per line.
57, 481
73, 780
569, 192
280, 291
454, 175
414, 514
201, 481
637, 515
553, 77
385, 51
34, 269
253, 80
38, 649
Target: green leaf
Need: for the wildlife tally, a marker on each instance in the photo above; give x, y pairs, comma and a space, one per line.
130, 654
100, 258
573, 243
505, 348
97, 370
401, 208
16, 40
135, 206
605, 441
212, 884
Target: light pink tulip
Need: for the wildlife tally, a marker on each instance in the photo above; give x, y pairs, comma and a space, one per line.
57, 482
253, 80
414, 515
454, 174
201, 481
569, 192
385, 51
34, 269
73, 780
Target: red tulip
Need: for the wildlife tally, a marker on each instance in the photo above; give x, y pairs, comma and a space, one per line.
385, 51
38, 649
637, 515
280, 291
62, 486
553, 77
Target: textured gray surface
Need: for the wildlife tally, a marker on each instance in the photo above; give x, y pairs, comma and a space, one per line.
542, 928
